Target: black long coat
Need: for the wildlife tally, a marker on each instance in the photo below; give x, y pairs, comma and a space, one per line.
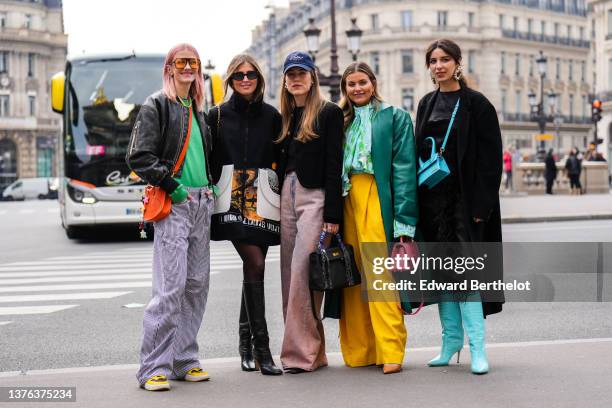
480, 163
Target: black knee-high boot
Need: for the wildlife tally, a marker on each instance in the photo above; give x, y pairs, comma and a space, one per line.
256, 311
245, 346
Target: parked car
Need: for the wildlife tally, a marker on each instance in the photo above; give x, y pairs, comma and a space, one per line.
25, 188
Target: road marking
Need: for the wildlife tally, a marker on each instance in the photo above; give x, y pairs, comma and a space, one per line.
5, 323
85, 286
26, 211
115, 260
53, 210
28, 310
110, 273
332, 355
2, 212
62, 296
136, 276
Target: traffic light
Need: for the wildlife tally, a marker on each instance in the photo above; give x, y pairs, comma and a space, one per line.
596, 111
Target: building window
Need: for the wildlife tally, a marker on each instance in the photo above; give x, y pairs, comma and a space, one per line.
408, 99
609, 72
4, 61
32, 104
543, 27
471, 19
375, 61
517, 65
583, 71
471, 61
503, 101
407, 19
5, 102
27, 21
442, 19
556, 29
609, 22
571, 106
582, 33
44, 152
503, 63
502, 20
569, 32
517, 102
515, 23
570, 75
407, 62
529, 26
558, 68
585, 103
374, 21
531, 65
30, 65
2, 20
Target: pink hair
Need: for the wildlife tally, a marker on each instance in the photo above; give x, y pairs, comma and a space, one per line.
196, 91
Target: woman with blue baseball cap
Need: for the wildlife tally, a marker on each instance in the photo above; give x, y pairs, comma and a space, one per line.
310, 168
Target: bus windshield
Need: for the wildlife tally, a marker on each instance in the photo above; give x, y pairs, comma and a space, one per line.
104, 97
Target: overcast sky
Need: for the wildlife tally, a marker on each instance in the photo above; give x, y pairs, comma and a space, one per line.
218, 29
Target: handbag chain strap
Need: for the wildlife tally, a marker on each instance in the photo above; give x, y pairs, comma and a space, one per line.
450, 125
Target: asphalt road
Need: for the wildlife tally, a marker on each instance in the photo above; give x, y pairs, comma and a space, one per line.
94, 332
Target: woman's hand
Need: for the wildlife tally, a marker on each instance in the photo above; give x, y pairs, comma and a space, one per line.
478, 220
331, 228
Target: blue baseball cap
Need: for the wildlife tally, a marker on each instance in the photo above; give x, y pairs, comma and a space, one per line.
298, 59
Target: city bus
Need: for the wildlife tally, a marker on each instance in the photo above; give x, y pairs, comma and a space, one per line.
99, 98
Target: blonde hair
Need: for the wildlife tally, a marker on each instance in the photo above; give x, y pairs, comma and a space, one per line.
233, 66
345, 103
312, 108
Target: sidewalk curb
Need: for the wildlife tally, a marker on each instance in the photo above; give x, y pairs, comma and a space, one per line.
555, 218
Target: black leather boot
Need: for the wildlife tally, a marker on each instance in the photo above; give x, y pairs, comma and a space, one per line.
245, 346
256, 311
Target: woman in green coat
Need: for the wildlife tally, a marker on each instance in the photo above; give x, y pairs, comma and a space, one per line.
380, 206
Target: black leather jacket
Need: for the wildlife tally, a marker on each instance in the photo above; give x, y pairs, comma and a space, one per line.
158, 137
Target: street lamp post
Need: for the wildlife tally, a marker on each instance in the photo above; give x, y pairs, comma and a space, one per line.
312, 43
538, 113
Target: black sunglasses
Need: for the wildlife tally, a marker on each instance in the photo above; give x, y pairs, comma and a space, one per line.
239, 76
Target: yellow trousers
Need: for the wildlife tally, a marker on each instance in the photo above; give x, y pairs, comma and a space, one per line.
371, 332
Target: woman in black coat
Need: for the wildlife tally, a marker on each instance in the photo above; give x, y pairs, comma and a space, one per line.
247, 207
550, 172
464, 206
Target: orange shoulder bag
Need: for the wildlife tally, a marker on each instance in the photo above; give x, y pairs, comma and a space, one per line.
157, 202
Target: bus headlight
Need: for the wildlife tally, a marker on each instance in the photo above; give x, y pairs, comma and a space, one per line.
80, 195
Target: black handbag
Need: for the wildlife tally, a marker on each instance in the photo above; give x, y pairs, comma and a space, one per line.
334, 267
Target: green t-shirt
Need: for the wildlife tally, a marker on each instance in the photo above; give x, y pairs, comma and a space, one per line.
194, 166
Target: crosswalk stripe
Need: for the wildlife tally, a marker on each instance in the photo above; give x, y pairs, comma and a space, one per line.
110, 273
75, 278
104, 265
114, 260
5, 323
2, 212
85, 286
62, 296
127, 255
26, 211
26, 310
53, 210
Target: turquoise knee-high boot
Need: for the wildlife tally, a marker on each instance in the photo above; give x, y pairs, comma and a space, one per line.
452, 333
473, 321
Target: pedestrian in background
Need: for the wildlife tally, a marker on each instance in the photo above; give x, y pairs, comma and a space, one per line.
309, 170
573, 168
380, 205
464, 206
244, 130
550, 172
508, 170
181, 248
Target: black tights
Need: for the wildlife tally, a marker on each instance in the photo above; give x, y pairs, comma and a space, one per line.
253, 260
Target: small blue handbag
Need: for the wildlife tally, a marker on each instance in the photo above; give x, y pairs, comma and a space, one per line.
435, 169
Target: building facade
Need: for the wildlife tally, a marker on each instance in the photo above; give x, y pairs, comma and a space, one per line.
600, 16
500, 40
33, 47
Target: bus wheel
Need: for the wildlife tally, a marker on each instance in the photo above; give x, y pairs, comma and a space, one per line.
42, 196
73, 232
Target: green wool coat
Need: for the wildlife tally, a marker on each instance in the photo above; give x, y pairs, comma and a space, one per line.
395, 166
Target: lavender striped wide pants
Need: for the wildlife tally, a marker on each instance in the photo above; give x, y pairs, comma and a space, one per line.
181, 271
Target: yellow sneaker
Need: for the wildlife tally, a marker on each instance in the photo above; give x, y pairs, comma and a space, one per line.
157, 383
196, 374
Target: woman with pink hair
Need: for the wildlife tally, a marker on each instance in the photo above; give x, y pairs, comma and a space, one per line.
170, 129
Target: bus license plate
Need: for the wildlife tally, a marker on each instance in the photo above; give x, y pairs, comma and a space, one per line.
132, 211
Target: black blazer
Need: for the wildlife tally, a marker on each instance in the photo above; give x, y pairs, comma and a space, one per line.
319, 161
480, 163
